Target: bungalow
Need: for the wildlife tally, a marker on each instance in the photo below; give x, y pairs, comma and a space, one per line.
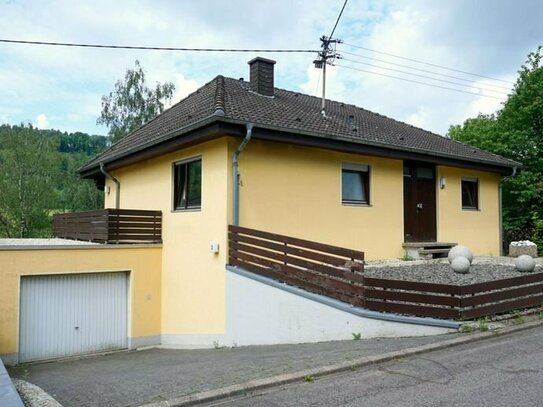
249, 154
342, 175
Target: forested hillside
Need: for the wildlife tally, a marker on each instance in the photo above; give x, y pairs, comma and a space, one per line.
39, 177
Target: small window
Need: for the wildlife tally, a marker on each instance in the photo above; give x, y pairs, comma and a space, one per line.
355, 184
187, 185
470, 193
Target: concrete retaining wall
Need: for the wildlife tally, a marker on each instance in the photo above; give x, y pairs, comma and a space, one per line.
261, 311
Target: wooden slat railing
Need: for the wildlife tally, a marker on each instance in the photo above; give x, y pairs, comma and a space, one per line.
110, 226
338, 273
412, 298
455, 302
500, 296
319, 268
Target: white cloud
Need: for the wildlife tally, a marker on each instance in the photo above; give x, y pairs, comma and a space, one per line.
418, 118
68, 82
183, 87
42, 122
335, 87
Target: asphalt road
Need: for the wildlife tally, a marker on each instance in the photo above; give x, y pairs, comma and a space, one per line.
503, 371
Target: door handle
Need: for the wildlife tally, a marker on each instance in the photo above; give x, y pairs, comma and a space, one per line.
419, 205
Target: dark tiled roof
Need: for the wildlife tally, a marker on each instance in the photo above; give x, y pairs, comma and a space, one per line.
227, 98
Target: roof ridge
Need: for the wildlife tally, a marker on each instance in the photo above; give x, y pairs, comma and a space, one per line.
219, 106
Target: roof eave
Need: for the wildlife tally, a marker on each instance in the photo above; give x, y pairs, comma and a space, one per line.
204, 130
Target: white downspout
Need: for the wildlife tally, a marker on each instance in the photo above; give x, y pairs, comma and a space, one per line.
235, 174
117, 183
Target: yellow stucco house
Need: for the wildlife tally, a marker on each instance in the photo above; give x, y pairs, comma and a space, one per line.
247, 153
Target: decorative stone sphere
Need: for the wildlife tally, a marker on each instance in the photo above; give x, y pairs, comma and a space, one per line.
524, 263
460, 265
459, 250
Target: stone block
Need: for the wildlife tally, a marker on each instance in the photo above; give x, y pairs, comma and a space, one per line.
519, 250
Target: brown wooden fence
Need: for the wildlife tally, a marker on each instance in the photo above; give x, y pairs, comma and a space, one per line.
338, 273
319, 268
413, 298
110, 226
453, 301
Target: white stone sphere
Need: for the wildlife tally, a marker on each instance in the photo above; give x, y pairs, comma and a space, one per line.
460, 265
459, 250
524, 263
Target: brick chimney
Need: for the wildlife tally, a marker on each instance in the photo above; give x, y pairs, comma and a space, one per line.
261, 76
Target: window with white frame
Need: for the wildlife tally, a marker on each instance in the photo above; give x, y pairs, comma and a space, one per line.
355, 184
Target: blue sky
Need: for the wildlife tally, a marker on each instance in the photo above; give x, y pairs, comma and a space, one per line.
61, 88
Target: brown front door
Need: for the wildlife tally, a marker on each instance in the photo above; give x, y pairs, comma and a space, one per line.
419, 202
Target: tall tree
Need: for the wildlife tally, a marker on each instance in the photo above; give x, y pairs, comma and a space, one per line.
516, 132
28, 172
132, 103
39, 178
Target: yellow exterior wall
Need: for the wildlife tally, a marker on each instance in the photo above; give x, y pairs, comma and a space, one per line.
476, 229
297, 191
179, 288
143, 263
193, 278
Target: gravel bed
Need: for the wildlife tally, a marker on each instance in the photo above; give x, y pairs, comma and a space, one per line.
441, 273
44, 242
34, 396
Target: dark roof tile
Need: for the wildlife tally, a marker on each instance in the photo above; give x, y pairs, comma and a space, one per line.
232, 99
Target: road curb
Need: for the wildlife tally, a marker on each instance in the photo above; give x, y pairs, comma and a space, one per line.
260, 384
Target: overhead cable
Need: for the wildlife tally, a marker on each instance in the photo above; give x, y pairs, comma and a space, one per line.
478, 82
133, 47
427, 63
338, 18
425, 77
421, 83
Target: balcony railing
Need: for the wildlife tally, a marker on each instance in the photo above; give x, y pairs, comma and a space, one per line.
110, 226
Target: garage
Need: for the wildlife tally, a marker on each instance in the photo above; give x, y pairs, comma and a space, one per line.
72, 314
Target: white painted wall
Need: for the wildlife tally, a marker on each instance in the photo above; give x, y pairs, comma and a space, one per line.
260, 314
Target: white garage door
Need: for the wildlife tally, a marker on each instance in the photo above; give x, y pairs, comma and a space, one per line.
71, 314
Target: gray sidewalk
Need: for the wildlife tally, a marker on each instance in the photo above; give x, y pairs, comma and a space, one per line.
139, 377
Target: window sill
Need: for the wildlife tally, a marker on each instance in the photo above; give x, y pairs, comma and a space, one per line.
364, 205
471, 209
186, 210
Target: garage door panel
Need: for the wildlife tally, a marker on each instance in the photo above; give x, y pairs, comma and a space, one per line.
70, 314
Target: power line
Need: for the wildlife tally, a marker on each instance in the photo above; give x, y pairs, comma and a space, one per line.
338, 17
425, 70
423, 76
325, 54
428, 63
419, 82
70, 44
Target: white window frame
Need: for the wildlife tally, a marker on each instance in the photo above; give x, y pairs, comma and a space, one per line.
358, 167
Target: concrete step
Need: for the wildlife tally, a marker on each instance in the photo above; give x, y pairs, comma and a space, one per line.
427, 250
428, 244
434, 251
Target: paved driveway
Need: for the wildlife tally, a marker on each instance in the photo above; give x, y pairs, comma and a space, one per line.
138, 377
